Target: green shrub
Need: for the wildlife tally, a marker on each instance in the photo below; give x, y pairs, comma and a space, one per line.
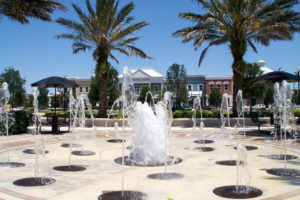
177, 114
206, 113
297, 112
21, 123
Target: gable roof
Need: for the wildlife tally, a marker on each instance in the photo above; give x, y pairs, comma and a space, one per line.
148, 72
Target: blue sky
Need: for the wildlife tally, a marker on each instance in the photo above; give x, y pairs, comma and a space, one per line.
36, 53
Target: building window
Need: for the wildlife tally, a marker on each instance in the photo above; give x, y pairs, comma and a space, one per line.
86, 89
211, 85
73, 90
156, 89
219, 85
200, 87
226, 84
80, 89
137, 89
189, 88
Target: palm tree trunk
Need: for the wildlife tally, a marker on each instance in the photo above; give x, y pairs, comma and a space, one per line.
238, 50
102, 70
102, 96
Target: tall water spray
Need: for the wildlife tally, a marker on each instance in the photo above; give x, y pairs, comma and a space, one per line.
197, 107
4, 99
240, 112
224, 112
242, 173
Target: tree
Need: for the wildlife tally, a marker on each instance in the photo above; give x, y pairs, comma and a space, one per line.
54, 101
21, 10
143, 94
269, 99
252, 90
113, 91
239, 24
28, 102
15, 86
104, 30
176, 81
215, 97
43, 97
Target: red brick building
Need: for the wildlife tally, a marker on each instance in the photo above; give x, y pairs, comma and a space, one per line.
224, 83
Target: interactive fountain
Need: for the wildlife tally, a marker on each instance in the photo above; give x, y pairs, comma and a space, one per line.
239, 191
283, 112
240, 124
7, 121
78, 128
201, 140
42, 171
226, 133
72, 103
166, 118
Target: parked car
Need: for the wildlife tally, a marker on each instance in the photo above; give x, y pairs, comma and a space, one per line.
246, 108
259, 106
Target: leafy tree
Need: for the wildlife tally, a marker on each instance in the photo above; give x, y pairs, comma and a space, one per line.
54, 101
252, 90
28, 102
215, 97
103, 30
113, 91
43, 97
21, 10
15, 86
240, 23
269, 99
176, 81
143, 94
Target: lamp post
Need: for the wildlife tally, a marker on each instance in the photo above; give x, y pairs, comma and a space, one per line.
298, 96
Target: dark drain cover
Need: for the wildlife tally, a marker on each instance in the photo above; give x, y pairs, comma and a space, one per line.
32, 181
83, 153
70, 168
128, 195
11, 164
283, 172
227, 162
32, 151
165, 176
204, 141
115, 141
67, 145
243, 192
281, 157
248, 148
129, 162
204, 149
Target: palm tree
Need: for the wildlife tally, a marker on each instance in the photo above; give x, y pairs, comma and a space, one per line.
103, 30
240, 23
21, 10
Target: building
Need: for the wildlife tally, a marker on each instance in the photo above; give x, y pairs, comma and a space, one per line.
196, 87
145, 78
84, 86
224, 83
263, 67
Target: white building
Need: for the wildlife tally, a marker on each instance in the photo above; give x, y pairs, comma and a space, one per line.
145, 78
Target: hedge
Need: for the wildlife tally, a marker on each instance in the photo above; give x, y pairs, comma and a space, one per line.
18, 124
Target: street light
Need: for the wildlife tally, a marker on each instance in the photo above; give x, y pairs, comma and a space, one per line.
298, 74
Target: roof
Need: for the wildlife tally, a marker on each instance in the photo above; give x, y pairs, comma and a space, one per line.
195, 75
263, 67
215, 78
277, 76
149, 72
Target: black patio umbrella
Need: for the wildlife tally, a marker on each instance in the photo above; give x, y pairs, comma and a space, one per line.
277, 76
55, 82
